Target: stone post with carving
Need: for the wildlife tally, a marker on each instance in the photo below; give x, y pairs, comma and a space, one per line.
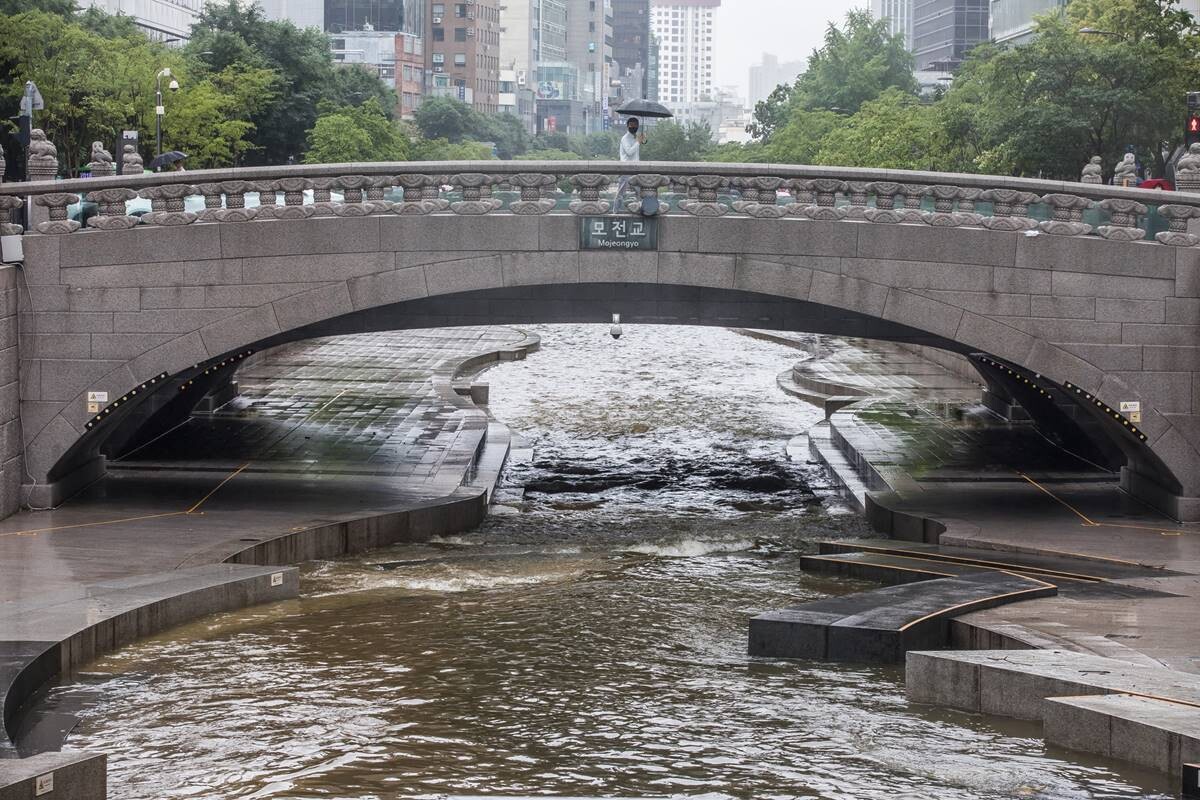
131, 162
101, 165
43, 157
1187, 170
1093, 171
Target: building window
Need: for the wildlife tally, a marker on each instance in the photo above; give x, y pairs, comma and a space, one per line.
439, 34
460, 59
460, 34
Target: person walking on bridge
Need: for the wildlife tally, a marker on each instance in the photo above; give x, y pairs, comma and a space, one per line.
631, 150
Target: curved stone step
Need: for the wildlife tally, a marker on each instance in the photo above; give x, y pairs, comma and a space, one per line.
881, 625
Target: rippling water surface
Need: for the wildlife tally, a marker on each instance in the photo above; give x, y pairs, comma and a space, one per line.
588, 640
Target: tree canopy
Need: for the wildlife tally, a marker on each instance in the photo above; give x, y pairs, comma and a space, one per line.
1042, 108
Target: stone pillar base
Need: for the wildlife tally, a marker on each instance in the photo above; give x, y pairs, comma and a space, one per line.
52, 494
1176, 506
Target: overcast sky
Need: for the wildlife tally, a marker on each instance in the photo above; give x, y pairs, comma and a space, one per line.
790, 29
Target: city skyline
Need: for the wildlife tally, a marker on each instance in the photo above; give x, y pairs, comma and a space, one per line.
796, 29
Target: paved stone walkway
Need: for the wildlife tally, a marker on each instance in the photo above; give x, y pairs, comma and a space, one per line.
1002, 486
328, 429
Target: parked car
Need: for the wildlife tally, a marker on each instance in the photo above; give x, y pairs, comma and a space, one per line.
1162, 184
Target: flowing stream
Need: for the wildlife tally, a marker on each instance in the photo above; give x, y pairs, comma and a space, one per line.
588, 640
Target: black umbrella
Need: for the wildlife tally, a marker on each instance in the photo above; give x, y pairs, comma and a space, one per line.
644, 108
169, 157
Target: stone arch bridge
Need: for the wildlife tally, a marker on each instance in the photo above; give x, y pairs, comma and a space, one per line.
1064, 296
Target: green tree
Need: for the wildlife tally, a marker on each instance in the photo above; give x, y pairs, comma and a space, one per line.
548, 155
739, 153
800, 139
444, 150
771, 114
355, 133
62, 8
856, 64
232, 33
445, 118
893, 131
1046, 107
670, 141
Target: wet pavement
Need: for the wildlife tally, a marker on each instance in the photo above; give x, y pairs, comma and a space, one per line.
1004, 486
343, 438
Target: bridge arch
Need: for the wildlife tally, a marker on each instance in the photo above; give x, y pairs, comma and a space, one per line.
178, 305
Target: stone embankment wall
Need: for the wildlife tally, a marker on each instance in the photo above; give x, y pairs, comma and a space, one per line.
12, 465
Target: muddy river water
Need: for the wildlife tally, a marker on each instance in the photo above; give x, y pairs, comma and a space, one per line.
589, 639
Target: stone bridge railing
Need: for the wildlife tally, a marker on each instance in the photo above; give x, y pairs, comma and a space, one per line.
583, 187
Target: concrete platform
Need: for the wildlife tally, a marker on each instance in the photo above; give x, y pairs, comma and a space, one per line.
43, 637
881, 625
1149, 732
1016, 683
54, 776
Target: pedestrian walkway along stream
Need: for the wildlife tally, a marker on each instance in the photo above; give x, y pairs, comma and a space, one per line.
588, 639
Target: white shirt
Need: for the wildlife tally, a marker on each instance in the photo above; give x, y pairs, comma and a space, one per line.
631, 148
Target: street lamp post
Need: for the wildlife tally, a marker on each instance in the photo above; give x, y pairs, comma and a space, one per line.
159, 109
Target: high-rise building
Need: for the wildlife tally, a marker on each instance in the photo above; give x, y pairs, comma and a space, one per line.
410, 72
684, 30
944, 30
898, 14
771, 73
631, 45
520, 21
1012, 21
160, 19
301, 13
462, 46
589, 50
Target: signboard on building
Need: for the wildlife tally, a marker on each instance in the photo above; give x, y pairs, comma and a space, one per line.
618, 233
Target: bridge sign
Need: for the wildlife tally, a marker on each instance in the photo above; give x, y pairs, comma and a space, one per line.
618, 233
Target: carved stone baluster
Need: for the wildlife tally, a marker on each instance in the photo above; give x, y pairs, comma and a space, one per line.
432, 194
1176, 234
211, 192
322, 204
767, 206
414, 187
944, 200
747, 194
57, 204
110, 212
377, 194
485, 191
885, 193
293, 199
268, 198
1067, 216
533, 186
647, 186
9, 204
966, 213
825, 190
352, 204
914, 196
167, 203
1124, 215
707, 189
235, 203
802, 197
858, 193
473, 202
679, 186
1010, 210
589, 185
